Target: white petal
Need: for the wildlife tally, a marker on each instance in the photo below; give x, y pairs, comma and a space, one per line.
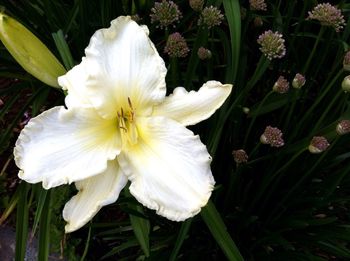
93, 194
62, 146
189, 108
169, 169
121, 62
74, 82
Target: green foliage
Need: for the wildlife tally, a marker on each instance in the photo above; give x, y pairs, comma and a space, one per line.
283, 204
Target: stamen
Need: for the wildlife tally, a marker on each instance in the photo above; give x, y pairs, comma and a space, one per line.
130, 104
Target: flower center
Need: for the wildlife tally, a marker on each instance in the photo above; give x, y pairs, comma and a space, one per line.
126, 124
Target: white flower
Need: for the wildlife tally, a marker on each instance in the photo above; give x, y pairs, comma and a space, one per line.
119, 126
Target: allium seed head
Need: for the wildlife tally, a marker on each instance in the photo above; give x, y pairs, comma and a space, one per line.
165, 13
346, 61
240, 156
210, 17
204, 53
272, 136
328, 15
196, 5
176, 46
298, 81
257, 5
318, 144
272, 44
281, 85
343, 127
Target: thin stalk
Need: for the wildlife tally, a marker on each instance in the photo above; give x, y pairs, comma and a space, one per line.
265, 184
299, 183
261, 68
324, 114
174, 71
316, 103
254, 118
234, 179
273, 184
311, 56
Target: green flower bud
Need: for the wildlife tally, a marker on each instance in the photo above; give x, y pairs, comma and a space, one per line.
346, 84
29, 51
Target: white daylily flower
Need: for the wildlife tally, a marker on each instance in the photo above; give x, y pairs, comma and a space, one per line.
119, 126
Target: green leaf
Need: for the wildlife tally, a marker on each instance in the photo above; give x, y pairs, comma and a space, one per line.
40, 206
233, 16
63, 49
185, 227
44, 229
218, 230
22, 222
141, 227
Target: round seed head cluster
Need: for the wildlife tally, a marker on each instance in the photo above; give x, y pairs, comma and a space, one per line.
346, 61
318, 144
240, 156
210, 17
281, 85
272, 136
196, 5
176, 46
272, 44
165, 13
328, 15
343, 127
298, 81
204, 53
257, 5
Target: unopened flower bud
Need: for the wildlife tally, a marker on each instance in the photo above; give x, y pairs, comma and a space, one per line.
298, 81
257, 5
318, 144
246, 110
258, 22
272, 44
136, 18
343, 127
165, 13
197, 5
176, 46
240, 156
210, 17
328, 15
272, 136
345, 85
346, 61
29, 51
204, 53
281, 85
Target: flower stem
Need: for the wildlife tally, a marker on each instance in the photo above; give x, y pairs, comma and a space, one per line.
254, 117
307, 64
